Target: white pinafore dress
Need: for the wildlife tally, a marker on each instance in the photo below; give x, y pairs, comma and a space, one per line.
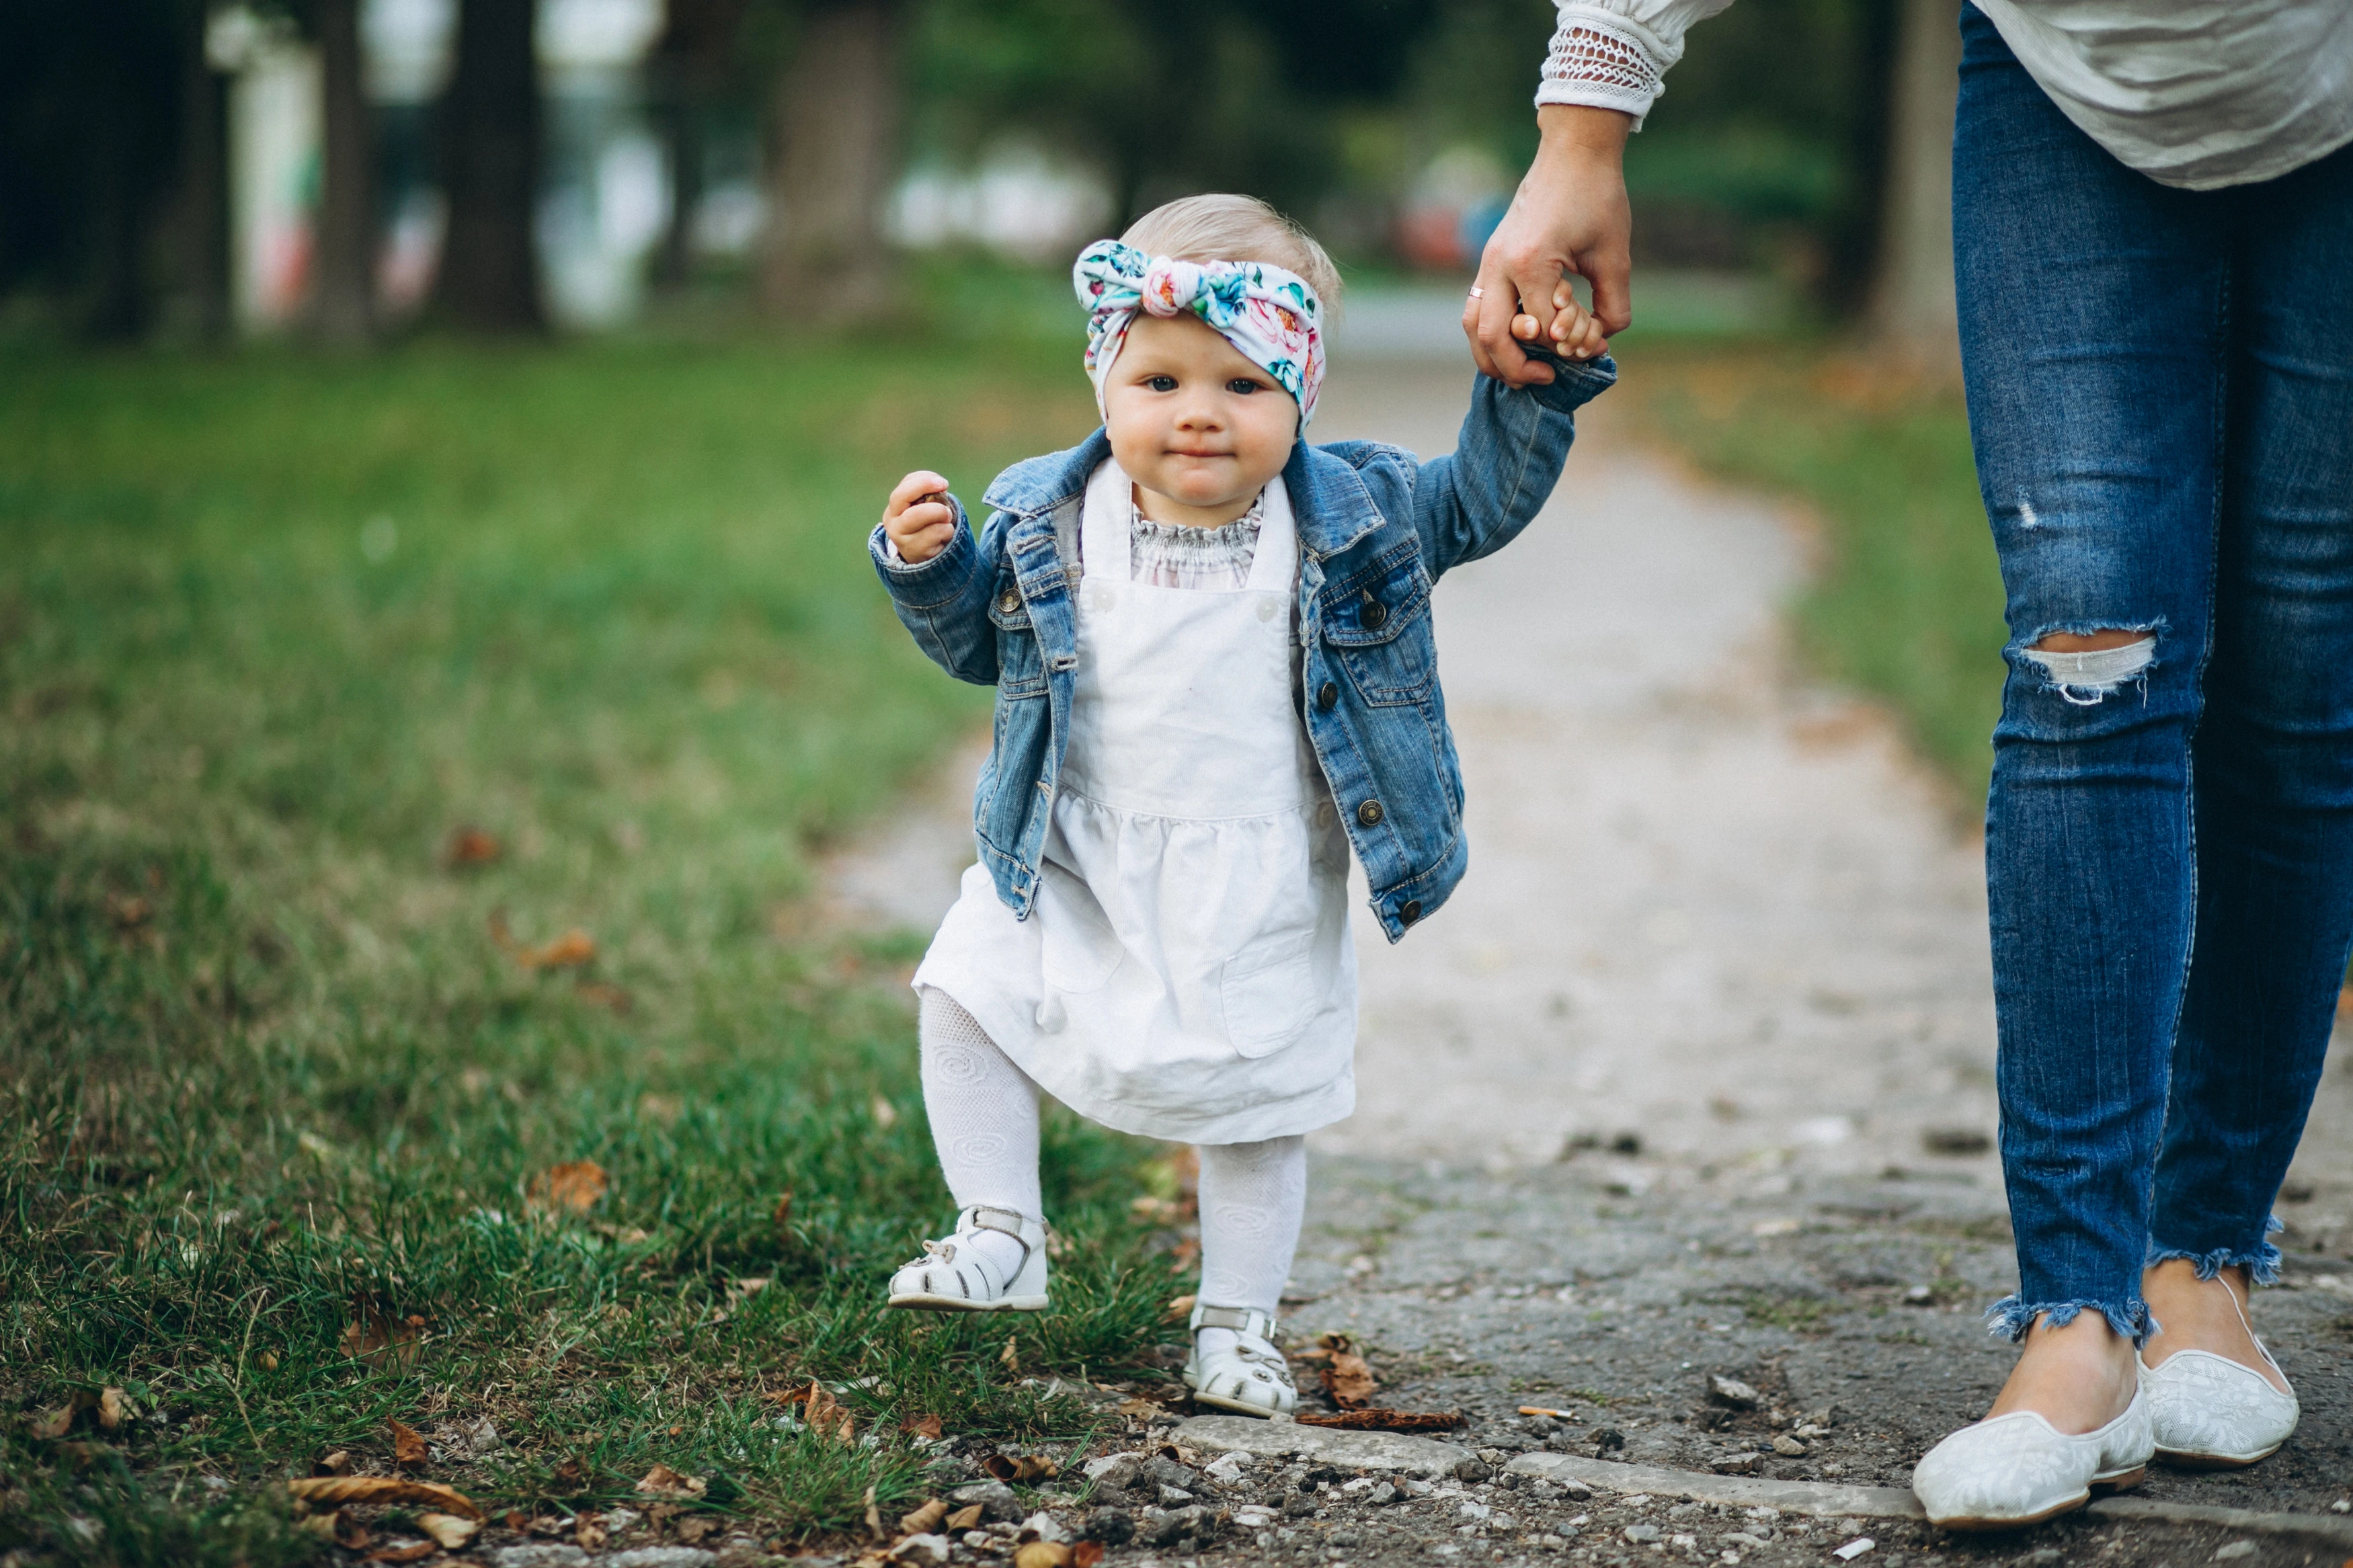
1187, 971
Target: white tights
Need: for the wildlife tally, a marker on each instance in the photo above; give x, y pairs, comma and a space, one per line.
984, 1116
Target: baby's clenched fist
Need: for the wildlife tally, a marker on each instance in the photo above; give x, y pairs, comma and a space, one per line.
919, 521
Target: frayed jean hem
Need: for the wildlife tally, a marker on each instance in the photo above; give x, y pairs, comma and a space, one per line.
2263, 1265
2010, 1317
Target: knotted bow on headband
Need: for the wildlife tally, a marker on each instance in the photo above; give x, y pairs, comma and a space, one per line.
1271, 316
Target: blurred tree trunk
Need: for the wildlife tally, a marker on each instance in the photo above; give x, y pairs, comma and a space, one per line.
1854, 245
1912, 310
204, 178
343, 305
489, 279
690, 67
838, 109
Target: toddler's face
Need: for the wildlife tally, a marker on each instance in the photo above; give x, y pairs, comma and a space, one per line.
1194, 422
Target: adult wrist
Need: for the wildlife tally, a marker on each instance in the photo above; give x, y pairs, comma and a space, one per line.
1582, 132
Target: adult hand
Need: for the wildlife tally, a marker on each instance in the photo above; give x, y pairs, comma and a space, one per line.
1570, 215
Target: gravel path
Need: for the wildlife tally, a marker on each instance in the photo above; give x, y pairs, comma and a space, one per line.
1694, 1073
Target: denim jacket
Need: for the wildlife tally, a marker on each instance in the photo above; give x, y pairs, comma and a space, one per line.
1376, 528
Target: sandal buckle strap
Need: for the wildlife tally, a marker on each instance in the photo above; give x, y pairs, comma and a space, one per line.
1240, 1319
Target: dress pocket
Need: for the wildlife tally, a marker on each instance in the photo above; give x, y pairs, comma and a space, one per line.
1078, 948
1269, 994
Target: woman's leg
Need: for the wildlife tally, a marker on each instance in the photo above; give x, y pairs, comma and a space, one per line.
984, 1114
1252, 1198
2093, 331
2274, 764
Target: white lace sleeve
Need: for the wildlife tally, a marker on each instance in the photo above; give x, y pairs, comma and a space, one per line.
1615, 54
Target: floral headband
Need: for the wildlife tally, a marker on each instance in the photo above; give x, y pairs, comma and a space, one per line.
1271, 316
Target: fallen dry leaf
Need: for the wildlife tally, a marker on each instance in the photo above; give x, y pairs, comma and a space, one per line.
55, 1425
113, 1410
1346, 1377
695, 1527
1022, 1467
873, 1515
403, 1552
576, 1187
447, 1529
334, 1491
473, 847
1381, 1420
922, 1426
570, 951
1137, 1409
782, 1214
348, 1532
408, 1447
588, 1532
1178, 1307
1086, 1554
1042, 1554
376, 1337
966, 1517
924, 1519
1011, 1359
826, 1415
612, 998
663, 1481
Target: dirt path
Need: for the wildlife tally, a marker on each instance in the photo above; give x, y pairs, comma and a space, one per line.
1695, 1071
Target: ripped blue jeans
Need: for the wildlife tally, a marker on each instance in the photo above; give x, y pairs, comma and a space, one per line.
2161, 393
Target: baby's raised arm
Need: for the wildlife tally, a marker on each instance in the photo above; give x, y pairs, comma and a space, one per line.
918, 522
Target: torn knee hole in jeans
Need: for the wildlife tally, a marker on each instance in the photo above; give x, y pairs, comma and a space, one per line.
2086, 676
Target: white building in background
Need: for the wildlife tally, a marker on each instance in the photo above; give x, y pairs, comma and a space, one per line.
1019, 203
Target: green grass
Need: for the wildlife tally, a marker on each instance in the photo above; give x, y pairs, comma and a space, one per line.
1907, 602
272, 629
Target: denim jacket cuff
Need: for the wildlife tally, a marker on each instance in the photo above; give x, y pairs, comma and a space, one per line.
1575, 382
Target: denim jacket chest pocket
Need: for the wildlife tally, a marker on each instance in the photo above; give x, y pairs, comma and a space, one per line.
1020, 662
1377, 620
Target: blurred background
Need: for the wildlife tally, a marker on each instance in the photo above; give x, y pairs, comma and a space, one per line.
356, 168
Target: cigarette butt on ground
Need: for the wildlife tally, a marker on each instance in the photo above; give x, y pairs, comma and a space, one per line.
1540, 1410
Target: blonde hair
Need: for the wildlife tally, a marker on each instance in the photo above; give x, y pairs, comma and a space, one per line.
1236, 228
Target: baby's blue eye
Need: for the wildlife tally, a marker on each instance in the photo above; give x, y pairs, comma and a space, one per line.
1161, 383
1243, 385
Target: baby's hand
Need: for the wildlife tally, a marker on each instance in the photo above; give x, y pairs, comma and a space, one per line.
1575, 332
919, 520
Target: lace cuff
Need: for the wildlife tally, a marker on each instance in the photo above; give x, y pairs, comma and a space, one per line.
1603, 61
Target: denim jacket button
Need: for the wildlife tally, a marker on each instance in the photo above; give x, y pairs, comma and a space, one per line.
1370, 814
1327, 697
1009, 601
1373, 615
1410, 911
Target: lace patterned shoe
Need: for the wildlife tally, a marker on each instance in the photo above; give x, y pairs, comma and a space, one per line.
2019, 1470
2212, 1413
1250, 1376
955, 1275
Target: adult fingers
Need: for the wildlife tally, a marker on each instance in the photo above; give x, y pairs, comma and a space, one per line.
1611, 270
1487, 322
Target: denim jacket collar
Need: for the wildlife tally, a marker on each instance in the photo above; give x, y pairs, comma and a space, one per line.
1328, 498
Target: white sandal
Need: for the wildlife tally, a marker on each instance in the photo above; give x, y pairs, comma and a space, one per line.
953, 1276
1250, 1376
2213, 1412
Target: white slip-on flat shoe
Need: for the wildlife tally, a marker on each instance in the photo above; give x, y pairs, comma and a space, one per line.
953, 1276
1250, 1376
2212, 1413
2019, 1470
